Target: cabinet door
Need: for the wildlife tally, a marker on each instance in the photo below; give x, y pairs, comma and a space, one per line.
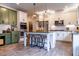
7, 38
15, 36
3, 15
12, 17
59, 35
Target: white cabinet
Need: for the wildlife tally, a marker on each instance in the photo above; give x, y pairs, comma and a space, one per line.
76, 44
59, 35
63, 36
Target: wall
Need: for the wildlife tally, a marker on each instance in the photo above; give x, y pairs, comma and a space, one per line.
21, 17
68, 17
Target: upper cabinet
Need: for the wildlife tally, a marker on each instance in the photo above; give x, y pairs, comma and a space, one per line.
3, 15
12, 17
8, 16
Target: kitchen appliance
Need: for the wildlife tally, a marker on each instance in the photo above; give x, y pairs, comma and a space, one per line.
59, 23
23, 28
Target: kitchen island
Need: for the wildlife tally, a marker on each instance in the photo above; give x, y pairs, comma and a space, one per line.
46, 38
49, 38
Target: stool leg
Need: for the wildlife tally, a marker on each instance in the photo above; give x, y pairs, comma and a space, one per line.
38, 42
31, 41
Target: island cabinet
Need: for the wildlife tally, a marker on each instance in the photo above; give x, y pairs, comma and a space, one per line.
75, 44
15, 36
8, 38
63, 36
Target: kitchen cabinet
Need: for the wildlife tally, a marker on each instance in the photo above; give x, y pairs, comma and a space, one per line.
12, 17
8, 16
2, 39
3, 15
7, 38
15, 36
63, 36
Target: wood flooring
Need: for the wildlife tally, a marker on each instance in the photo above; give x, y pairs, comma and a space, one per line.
61, 49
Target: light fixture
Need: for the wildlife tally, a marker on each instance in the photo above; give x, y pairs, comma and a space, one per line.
34, 12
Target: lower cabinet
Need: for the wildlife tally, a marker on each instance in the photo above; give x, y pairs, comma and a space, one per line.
2, 40
7, 38
63, 36
15, 36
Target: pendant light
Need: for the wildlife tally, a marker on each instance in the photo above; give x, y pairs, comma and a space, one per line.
45, 13
35, 16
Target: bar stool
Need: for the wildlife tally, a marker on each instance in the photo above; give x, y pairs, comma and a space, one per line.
33, 40
40, 43
38, 40
44, 37
44, 40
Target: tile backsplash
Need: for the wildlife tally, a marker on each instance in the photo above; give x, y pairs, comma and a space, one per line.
4, 27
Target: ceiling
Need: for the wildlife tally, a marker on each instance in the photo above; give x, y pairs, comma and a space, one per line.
39, 6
